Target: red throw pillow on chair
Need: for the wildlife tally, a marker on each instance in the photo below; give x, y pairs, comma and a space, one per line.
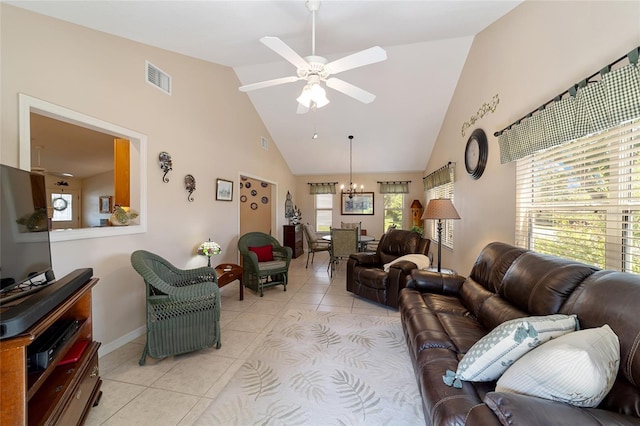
264, 253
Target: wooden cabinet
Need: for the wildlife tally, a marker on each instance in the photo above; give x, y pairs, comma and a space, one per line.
59, 394
293, 238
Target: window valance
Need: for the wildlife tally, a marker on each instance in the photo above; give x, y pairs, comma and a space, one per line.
586, 108
397, 187
322, 187
442, 176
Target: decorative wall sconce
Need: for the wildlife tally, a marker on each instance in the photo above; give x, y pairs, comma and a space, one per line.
190, 185
165, 164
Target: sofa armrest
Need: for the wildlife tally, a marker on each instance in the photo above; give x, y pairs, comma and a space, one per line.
435, 282
513, 409
367, 260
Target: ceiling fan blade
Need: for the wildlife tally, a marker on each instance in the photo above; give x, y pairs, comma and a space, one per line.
364, 57
351, 90
268, 83
282, 49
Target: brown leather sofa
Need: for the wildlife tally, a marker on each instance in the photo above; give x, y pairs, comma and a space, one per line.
366, 276
444, 315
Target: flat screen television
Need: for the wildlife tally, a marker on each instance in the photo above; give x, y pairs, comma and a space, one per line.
25, 251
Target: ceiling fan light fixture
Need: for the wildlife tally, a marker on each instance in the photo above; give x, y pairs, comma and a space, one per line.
313, 93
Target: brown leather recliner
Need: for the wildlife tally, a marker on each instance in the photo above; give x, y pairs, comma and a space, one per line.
366, 276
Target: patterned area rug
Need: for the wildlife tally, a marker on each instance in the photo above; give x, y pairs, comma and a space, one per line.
323, 368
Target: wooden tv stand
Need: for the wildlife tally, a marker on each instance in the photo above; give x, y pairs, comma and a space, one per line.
59, 394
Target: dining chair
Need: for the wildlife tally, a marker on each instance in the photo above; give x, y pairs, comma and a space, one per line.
314, 244
344, 242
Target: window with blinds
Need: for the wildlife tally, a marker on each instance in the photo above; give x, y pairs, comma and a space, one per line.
581, 200
442, 191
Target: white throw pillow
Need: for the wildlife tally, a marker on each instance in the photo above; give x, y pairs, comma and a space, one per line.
421, 261
490, 356
578, 368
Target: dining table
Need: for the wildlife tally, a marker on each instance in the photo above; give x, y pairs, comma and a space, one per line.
363, 240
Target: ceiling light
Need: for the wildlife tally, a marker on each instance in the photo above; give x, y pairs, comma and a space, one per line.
313, 94
353, 187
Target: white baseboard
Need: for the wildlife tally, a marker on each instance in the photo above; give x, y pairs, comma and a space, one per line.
112, 346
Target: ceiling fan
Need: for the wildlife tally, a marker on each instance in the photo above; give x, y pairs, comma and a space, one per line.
315, 69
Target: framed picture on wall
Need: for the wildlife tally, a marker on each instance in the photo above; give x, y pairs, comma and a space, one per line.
106, 204
224, 190
361, 203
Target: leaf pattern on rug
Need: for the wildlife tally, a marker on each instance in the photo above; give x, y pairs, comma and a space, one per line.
283, 414
260, 379
359, 396
393, 340
309, 385
321, 382
356, 358
296, 331
362, 338
276, 348
325, 335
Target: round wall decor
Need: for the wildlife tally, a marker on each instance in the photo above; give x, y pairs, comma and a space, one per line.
475, 153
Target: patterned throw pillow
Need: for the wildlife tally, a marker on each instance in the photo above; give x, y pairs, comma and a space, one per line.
578, 369
490, 356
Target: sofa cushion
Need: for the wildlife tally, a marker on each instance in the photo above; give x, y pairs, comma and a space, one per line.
496, 351
513, 409
540, 284
577, 368
492, 263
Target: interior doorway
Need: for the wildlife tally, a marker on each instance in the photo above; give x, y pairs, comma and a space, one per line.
257, 201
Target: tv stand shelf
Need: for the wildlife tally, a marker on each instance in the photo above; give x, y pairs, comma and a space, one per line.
58, 394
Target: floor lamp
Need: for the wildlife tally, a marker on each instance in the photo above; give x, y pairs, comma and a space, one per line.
440, 208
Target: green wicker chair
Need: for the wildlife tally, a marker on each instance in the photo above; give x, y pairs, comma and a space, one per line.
183, 306
258, 275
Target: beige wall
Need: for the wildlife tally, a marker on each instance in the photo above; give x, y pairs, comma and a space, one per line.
373, 224
210, 129
528, 57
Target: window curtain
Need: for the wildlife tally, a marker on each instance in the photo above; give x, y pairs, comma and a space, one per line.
589, 108
322, 188
394, 187
442, 176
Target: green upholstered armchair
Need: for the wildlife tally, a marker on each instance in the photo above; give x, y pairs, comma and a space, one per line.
264, 261
183, 306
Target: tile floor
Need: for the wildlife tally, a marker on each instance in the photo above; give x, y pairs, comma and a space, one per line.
176, 390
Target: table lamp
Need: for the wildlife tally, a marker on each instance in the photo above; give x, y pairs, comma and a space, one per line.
209, 248
440, 208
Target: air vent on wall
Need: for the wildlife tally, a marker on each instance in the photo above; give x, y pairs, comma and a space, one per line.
264, 142
158, 78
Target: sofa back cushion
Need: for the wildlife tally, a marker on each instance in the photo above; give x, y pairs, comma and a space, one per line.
540, 284
613, 298
492, 263
396, 243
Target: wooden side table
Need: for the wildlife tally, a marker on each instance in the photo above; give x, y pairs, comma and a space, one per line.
229, 272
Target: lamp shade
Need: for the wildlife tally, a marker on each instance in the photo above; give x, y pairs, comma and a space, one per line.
440, 208
209, 248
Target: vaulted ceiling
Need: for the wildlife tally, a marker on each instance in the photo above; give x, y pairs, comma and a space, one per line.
426, 43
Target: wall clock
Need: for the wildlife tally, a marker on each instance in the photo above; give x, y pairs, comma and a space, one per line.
475, 153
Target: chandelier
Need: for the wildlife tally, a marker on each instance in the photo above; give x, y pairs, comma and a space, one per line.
353, 187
